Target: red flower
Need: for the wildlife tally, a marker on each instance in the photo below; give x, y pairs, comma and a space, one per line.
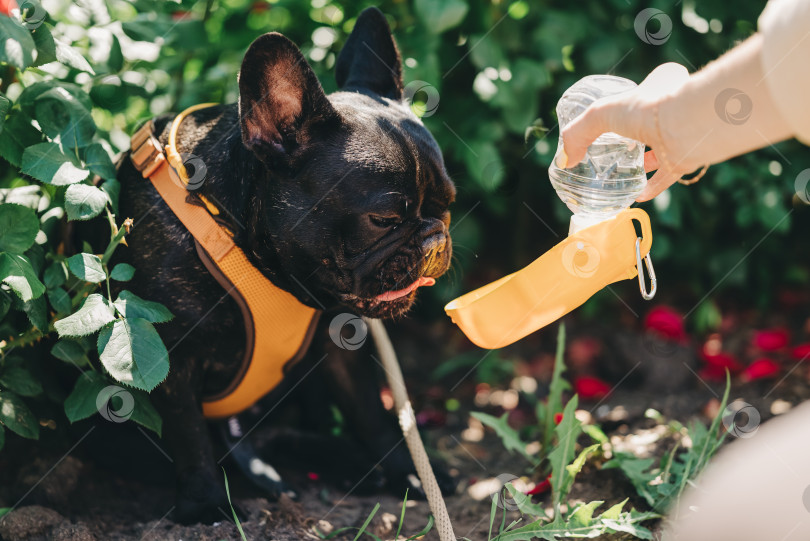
761, 368
720, 361
180, 15
6, 6
771, 339
801, 352
313, 476
557, 418
666, 322
589, 387
541, 487
582, 351
712, 373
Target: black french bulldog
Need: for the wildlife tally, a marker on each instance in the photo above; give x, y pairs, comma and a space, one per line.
340, 200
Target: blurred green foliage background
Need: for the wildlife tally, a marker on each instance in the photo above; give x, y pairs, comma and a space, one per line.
498, 68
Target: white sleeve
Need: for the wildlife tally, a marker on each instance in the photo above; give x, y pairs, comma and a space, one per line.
785, 26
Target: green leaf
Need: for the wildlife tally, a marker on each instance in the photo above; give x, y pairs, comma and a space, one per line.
60, 300
98, 161
582, 516
16, 44
509, 436
145, 413
37, 312
92, 316
557, 387
614, 512
15, 376
61, 114
83, 202
130, 305
17, 273
5, 106
524, 502
81, 402
113, 189
441, 15
575, 467
16, 416
47, 162
46, 46
28, 97
69, 56
19, 226
55, 275
69, 351
133, 353
87, 267
17, 135
122, 272
566, 434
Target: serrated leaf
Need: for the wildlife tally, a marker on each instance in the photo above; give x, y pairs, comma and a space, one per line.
17, 135
81, 402
47, 162
69, 56
582, 516
145, 414
83, 202
46, 46
17, 417
37, 312
95, 313
28, 97
5, 106
615, 511
122, 272
133, 353
113, 189
16, 272
87, 267
130, 305
15, 376
55, 275
509, 436
61, 114
69, 351
566, 434
98, 161
575, 467
60, 300
16, 44
19, 226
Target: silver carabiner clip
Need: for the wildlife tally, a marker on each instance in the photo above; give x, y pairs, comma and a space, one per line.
653, 281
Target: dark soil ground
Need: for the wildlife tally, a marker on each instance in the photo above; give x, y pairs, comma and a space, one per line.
62, 495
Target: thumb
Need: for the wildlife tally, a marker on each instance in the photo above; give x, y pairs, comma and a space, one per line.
581, 132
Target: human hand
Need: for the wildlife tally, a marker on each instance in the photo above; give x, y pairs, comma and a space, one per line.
635, 114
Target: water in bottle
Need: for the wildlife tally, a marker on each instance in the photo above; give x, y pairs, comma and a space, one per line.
611, 175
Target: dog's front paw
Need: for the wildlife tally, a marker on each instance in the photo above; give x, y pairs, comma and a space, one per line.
200, 498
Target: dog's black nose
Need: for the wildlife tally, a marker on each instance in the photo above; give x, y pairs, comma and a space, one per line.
434, 242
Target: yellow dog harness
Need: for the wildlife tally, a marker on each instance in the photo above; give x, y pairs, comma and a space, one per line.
278, 327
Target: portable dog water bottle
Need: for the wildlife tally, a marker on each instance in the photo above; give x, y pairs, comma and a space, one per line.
602, 247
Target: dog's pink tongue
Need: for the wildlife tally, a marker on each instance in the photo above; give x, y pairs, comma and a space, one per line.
392, 295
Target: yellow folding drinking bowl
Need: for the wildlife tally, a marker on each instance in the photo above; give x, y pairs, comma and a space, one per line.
562, 279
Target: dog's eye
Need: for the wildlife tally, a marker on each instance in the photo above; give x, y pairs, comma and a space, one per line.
384, 222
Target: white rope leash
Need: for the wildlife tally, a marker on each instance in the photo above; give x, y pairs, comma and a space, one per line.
407, 422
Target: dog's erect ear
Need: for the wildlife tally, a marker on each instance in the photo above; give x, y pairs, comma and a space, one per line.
370, 59
280, 98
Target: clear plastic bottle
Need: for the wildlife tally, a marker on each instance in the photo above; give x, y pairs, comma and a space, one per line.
611, 175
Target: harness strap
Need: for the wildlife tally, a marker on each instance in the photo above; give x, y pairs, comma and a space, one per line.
278, 327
